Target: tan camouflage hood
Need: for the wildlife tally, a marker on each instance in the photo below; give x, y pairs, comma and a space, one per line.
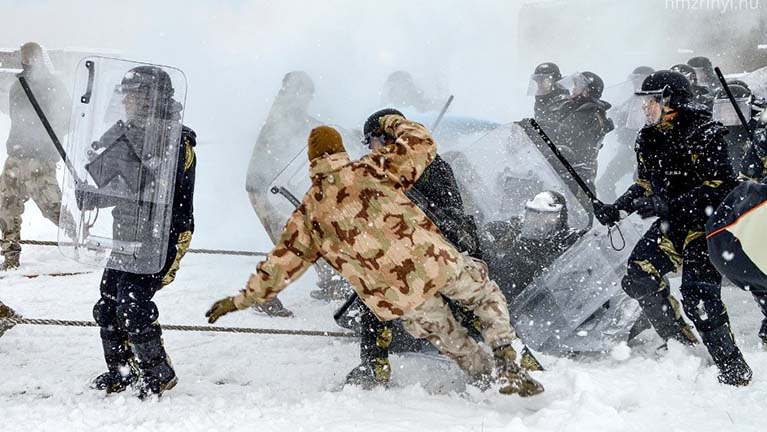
357, 217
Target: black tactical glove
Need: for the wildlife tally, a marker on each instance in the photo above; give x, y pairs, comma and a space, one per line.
607, 214
651, 206
85, 198
220, 308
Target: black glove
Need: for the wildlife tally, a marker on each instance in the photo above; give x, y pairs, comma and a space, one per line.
607, 214
651, 206
86, 198
220, 308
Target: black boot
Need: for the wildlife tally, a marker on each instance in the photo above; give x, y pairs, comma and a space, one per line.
122, 371
733, 369
375, 339
157, 374
372, 374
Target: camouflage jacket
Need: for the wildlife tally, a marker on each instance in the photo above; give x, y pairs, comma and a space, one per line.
357, 217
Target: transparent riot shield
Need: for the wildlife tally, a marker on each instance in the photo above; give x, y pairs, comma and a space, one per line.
578, 305
724, 112
502, 170
124, 141
757, 82
453, 132
272, 198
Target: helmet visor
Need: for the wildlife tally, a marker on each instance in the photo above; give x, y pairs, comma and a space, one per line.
540, 225
575, 83
646, 109
540, 85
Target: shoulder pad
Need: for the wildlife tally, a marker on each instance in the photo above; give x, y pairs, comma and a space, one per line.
709, 130
189, 135
698, 110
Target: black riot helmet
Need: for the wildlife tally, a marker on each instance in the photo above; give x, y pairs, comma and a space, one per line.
738, 92
687, 71
700, 62
643, 70
594, 84
669, 83
372, 126
147, 91
147, 80
704, 70
548, 68
659, 90
543, 80
733, 82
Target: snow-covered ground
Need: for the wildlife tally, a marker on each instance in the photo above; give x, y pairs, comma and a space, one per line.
288, 383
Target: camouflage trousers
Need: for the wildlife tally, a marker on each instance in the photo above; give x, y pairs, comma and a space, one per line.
433, 320
21, 180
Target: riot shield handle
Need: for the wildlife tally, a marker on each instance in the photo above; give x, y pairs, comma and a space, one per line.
86, 98
280, 190
742, 118
48, 128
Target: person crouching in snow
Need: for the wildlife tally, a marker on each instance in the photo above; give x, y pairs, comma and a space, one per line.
357, 217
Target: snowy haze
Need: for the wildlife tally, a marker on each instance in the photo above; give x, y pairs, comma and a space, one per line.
235, 53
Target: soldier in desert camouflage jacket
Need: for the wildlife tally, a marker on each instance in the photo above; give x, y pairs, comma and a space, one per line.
357, 217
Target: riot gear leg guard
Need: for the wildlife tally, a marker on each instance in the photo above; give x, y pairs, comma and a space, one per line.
375, 339
702, 303
157, 374
659, 306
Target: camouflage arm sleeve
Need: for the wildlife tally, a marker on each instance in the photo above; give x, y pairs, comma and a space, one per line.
290, 258
412, 152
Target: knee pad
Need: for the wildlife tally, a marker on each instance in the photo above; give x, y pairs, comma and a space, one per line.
105, 313
702, 303
135, 317
643, 286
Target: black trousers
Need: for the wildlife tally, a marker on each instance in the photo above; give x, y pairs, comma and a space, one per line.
664, 248
125, 310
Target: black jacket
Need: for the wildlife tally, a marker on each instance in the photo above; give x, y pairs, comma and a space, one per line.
182, 211
183, 198
436, 193
685, 162
515, 261
581, 125
545, 106
754, 163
